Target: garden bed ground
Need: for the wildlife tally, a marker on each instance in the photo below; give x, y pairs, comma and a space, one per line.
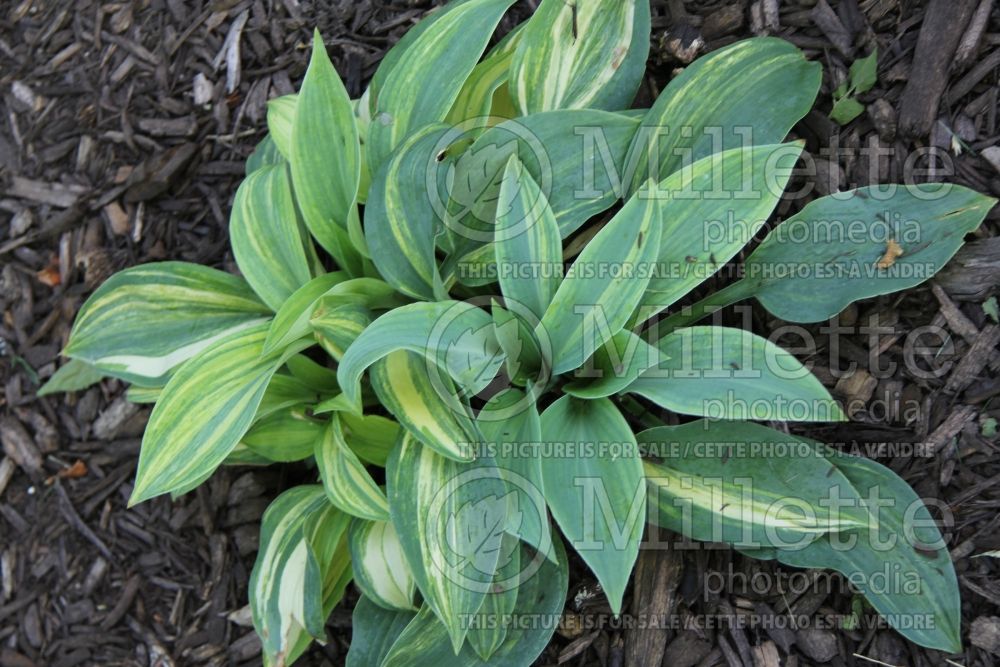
124, 130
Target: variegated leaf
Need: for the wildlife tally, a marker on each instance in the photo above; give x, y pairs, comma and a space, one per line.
266, 154
527, 242
380, 568
476, 99
710, 107
441, 421
450, 519
488, 627
421, 88
267, 240
371, 437
297, 571
374, 630
205, 409
286, 435
336, 324
451, 335
144, 321
280, 120
326, 158
292, 319
603, 286
348, 485
581, 55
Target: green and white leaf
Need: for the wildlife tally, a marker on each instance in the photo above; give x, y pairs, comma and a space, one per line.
336, 325
374, 629
476, 99
204, 410
144, 321
595, 489
584, 55
348, 485
291, 322
380, 568
727, 373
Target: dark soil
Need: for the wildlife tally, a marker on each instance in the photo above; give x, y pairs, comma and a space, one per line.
124, 130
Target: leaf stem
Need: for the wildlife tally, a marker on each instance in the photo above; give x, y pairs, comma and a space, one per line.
727, 296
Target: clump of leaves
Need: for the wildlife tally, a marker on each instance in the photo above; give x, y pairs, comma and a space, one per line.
457, 302
860, 78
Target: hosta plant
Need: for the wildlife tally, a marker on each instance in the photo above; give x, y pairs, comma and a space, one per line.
458, 305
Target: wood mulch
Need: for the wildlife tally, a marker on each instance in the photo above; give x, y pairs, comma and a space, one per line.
123, 133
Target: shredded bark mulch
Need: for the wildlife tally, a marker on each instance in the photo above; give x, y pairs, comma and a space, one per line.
125, 126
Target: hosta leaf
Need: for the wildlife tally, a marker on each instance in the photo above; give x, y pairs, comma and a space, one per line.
326, 157
74, 375
476, 99
205, 409
336, 325
314, 375
581, 55
286, 435
280, 120
527, 241
540, 597
452, 335
348, 484
727, 373
284, 391
576, 157
510, 424
422, 405
614, 366
907, 544
144, 321
421, 88
371, 437
603, 286
709, 107
524, 357
374, 629
290, 580
400, 220
266, 237
380, 568
450, 520
710, 211
266, 154
594, 487
745, 484
488, 628
835, 250
292, 319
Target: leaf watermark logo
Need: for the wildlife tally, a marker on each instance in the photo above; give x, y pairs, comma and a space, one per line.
476, 523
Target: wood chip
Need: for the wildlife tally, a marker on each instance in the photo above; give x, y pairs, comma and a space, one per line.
949, 428
54, 194
975, 360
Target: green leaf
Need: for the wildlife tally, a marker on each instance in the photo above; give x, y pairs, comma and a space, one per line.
144, 321
603, 286
451, 335
745, 485
291, 322
845, 110
336, 324
710, 105
427, 406
267, 240
614, 366
727, 373
577, 158
421, 88
450, 518
280, 120
814, 264
380, 568
289, 585
348, 485
371, 437
476, 99
374, 629
583, 55
709, 212
326, 157
205, 409
488, 627
400, 220
527, 242
284, 391
266, 154
74, 375
594, 487
540, 597
285, 435
864, 72
516, 337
